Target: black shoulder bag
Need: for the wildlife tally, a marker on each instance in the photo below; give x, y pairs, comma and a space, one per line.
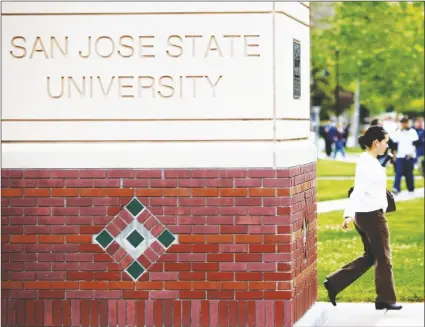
390, 199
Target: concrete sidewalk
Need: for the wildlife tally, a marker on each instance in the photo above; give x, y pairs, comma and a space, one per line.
365, 314
362, 314
333, 205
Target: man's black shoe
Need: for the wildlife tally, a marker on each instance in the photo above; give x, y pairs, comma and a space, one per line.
387, 306
331, 292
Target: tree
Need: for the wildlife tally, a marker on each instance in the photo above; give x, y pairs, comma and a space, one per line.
320, 88
381, 44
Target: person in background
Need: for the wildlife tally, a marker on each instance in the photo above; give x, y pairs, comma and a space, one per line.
420, 143
389, 124
339, 140
405, 155
328, 132
376, 122
332, 135
346, 134
366, 206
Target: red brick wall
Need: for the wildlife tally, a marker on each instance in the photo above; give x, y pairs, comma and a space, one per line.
240, 258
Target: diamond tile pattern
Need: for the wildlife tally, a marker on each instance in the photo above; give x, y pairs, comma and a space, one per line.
135, 207
129, 241
104, 239
166, 238
135, 238
135, 270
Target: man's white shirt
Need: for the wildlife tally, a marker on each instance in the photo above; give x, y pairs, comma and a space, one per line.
370, 185
405, 139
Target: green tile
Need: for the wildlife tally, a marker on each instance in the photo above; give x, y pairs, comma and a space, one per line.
135, 270
104, 238
166, 238
135, 207
135, 238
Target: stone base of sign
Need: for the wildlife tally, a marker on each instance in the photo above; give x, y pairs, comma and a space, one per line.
229, 246
158, 312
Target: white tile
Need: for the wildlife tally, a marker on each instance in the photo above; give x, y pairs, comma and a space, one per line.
121, 239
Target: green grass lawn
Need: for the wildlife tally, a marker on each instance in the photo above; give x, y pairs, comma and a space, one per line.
354, 150
337, 168
337, 189
337, 247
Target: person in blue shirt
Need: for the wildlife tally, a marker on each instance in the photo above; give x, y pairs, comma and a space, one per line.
339, 141
328, 132
420, 143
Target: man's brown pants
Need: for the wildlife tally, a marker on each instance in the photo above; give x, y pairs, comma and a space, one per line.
373, 229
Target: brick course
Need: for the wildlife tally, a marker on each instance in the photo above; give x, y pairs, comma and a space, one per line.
240, 258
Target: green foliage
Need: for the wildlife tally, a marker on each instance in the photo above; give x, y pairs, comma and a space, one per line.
381, 44
321, 89
355, 150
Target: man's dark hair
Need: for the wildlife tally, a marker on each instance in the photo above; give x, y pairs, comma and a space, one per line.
374, 122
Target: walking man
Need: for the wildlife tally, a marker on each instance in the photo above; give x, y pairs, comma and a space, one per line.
405, 155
